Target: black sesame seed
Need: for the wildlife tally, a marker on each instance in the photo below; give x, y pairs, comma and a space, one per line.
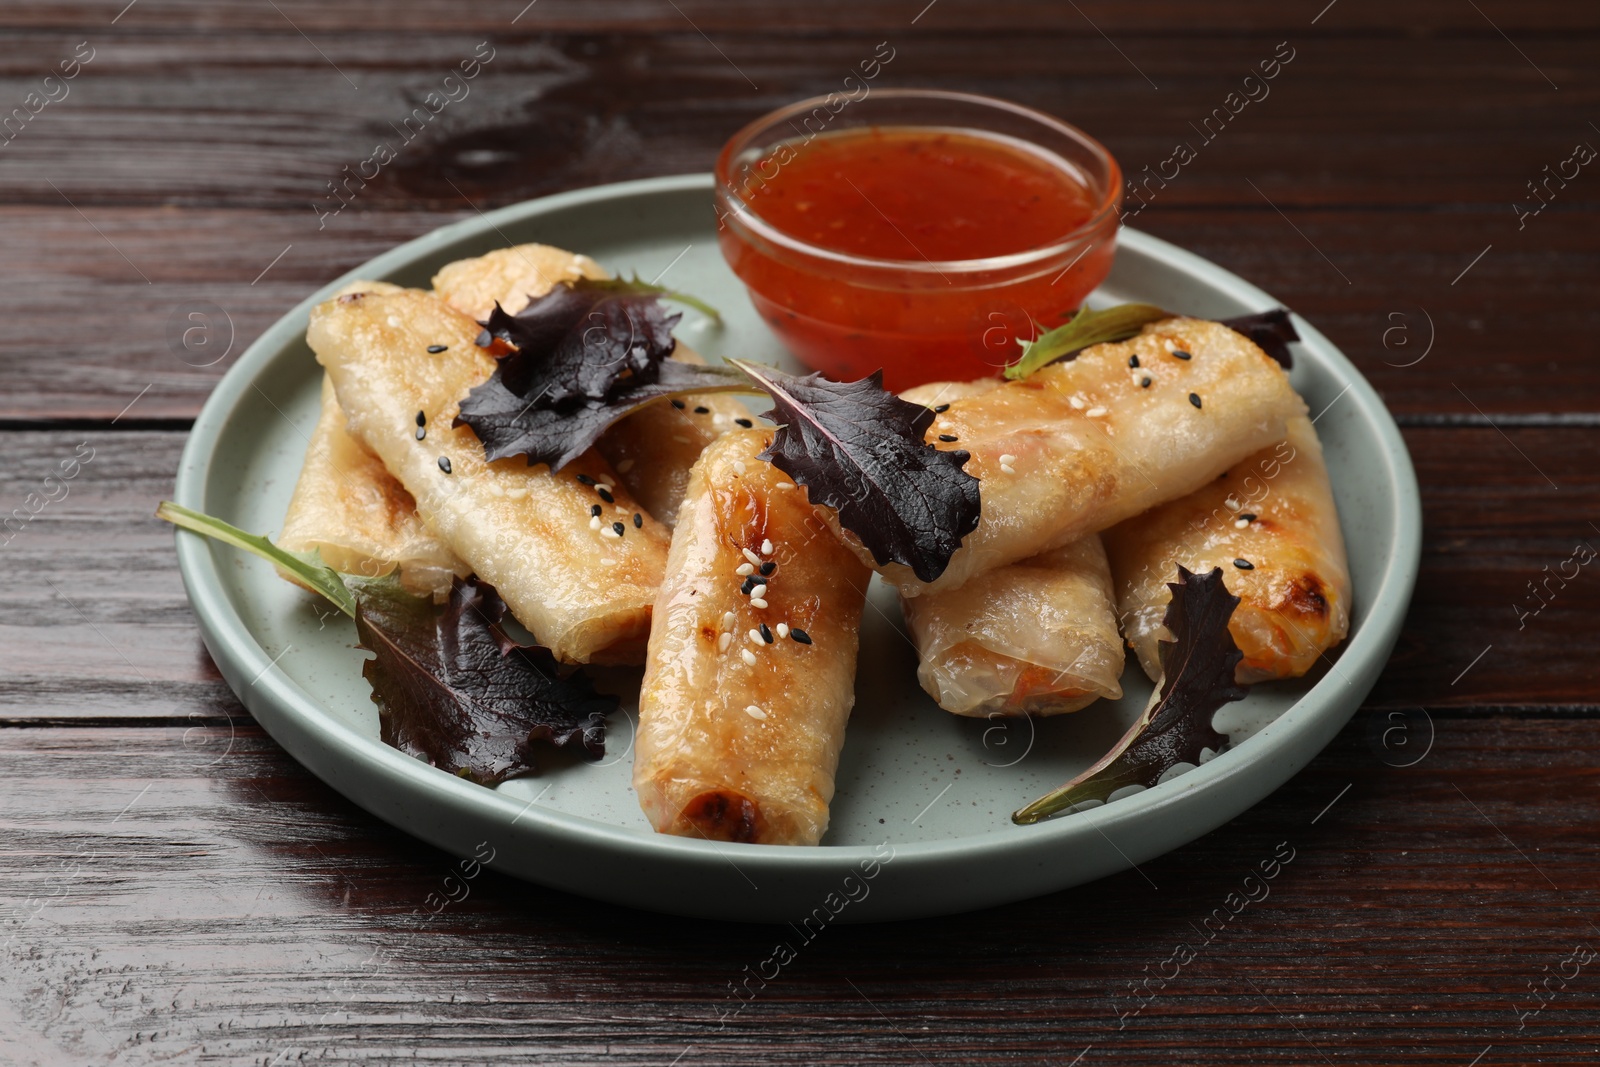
750, 582
422, 418
421, 432
766, 634
680, 405
1248, 516
1181, 354
444, 464
1133, 361
702, 410
594, 511
1144, 383
746, 423
638, 521
800, 635
941, 409
1244, 564
483, 339
434, 350
619, 528
948, 437
585, 479
605, 495
1194, 398
767, 568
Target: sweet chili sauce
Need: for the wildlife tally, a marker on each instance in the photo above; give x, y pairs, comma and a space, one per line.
870, 236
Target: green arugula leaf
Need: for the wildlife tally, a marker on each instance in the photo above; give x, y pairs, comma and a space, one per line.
1085, 328
307, 566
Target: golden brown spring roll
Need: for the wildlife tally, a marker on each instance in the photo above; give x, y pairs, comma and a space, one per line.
348, 507
750, 676
583, 584
1271, 525
1079, 446
1037, 637
651, 450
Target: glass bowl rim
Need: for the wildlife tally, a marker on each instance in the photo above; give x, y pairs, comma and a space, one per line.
741, 212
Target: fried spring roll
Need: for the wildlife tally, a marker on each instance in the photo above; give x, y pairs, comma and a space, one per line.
1079, 446
739, 733
652, 450
348, 507
1271, 525
583, 587
1037, 637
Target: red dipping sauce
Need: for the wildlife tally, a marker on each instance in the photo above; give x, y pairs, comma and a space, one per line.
928, 251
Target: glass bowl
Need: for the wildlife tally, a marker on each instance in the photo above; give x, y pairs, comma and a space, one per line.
919, 320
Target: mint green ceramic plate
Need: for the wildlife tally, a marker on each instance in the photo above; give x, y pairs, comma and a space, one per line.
924, 794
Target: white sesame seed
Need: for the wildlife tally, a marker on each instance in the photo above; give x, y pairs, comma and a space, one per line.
738, 465
748, 656
1233, 505
517, 492
625, 466
1008, 458
1168, 345
758, 591
609, 562
594, 523
394, 322
1007, 468
1239, 524
1096, 413
728, 619
744, 568
607, 486
1076, 402
766, 548
785, 485
723, 641
755, 712
757, 602
752, 557
755, 637
782, 629
609, 532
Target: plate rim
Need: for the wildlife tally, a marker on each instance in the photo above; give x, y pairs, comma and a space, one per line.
239, 654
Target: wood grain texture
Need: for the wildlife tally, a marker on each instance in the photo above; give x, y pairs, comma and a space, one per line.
828, 17
175, 889
238, 911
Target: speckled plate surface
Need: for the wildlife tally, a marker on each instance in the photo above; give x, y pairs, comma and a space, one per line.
921, 822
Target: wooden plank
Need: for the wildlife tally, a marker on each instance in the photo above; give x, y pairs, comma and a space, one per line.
242, 911
1350, 121
96, 623
1123, 17
1502, 334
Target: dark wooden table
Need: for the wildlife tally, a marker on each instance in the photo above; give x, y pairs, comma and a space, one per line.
177, 890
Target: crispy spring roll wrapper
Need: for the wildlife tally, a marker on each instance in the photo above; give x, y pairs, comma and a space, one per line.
1037, 637
1089, 446
1294, 602
348, 507
510, 277
651, 450
729, 749
584, 592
